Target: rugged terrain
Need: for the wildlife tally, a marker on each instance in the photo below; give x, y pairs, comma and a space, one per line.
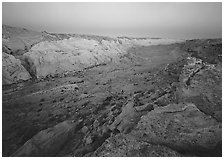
85, 95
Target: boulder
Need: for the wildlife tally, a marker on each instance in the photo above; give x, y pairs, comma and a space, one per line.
182, 127
83, 96
145, 107
127, 146
84, 129
12, 70
47, 142
126, 119
129, 116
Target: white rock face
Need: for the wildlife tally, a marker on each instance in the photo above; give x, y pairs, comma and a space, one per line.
56, 57
50, 58
12, 70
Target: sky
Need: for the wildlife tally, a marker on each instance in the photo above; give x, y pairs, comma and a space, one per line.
146, 19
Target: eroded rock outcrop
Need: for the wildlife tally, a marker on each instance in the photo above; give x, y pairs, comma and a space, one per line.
57, 57
12, 70
17, 41
173, 130
77, 53
52, 54
182, 127
201, 84
130, 115
127, 146
47, 142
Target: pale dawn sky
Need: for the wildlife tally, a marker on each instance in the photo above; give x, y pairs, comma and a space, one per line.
167, 20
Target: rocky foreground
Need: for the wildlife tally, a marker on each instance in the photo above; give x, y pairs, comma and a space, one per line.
79, 95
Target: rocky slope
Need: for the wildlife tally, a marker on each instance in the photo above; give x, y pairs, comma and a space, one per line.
58, 57
12, 70
17, 41
137, 99
74, 54
46, 54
